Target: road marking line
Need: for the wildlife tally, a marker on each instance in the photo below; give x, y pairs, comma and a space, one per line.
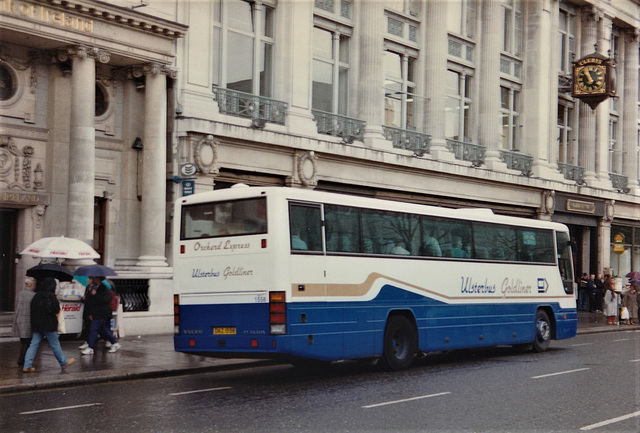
611, 421
201, 390
581, 344
404, 400
622, 339
31, 412
559, 373
634, 360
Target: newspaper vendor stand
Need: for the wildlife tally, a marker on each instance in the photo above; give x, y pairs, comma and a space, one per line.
70, 296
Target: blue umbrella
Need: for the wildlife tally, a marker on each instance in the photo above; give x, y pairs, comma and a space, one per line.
94, 271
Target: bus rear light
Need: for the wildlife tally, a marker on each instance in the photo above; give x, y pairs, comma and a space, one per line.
254, 343
182, 249
276, 297
176, 314
192, 342
263, 243
277, 313
278, 318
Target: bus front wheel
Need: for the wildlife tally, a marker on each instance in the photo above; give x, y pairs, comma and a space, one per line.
542, 332
400, 343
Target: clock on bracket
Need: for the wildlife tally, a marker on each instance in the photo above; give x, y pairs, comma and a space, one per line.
593, 79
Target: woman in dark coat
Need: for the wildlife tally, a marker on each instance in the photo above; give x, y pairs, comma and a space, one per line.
44, 324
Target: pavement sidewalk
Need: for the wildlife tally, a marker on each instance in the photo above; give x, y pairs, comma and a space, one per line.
150, 356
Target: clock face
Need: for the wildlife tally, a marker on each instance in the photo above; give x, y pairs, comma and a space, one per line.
590, 79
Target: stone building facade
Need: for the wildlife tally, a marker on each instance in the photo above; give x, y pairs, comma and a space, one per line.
463, 103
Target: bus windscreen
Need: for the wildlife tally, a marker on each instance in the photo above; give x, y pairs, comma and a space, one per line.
224, 218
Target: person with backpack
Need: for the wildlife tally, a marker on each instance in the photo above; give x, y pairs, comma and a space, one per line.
98, 307
44, 324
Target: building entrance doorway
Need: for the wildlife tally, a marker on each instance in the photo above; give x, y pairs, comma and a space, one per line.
8, 218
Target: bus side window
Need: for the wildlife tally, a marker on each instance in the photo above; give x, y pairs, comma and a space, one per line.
494, 242
342, 228
305, 225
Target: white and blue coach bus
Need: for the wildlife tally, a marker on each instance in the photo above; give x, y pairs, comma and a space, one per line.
282, 272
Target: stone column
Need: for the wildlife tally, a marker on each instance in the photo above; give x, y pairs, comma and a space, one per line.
435, 53
82, 160
370, 80
604, 235
489, 86
294, 32
587, 132
153, 182
540, 88
602, 111
630, 110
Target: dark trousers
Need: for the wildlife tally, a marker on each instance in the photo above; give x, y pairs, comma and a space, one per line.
24, 345
86, 329
101, 327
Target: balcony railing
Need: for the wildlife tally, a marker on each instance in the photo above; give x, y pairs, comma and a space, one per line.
250, 106
517, 161
409, 140
572, 172
467, 151
339, 126
619, 182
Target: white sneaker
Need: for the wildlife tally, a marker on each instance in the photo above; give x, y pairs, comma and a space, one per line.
107, 344
114, 348
87, 351
84, 346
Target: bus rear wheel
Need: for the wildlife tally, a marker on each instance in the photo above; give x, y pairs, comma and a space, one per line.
542, 332
400, 343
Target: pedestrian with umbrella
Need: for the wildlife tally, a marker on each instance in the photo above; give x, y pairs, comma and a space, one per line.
98, 307
22, 318
44, 324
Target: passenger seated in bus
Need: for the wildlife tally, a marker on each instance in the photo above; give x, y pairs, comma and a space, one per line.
296, 241
431, 247
400, 249
367, 246
482, 253
339, 243
457, 250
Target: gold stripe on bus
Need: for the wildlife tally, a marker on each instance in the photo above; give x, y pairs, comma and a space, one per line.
360, 290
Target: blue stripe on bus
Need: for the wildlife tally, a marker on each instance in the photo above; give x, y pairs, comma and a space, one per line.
343, 330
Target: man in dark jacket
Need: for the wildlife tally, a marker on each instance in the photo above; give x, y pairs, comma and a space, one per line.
98, 307
44, 323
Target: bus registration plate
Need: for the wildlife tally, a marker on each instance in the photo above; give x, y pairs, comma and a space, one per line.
224, 330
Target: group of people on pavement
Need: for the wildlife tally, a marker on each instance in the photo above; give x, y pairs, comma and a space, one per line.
598, 295
36, 318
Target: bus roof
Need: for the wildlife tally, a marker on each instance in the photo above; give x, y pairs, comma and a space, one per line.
313, 196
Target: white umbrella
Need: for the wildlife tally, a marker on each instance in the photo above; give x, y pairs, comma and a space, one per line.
61, 247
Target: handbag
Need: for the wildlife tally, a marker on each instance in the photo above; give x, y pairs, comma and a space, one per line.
624, 313
62, 329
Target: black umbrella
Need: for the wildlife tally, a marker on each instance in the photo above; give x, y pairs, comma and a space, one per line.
54, 270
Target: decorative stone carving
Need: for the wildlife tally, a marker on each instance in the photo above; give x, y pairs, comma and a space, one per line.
15, 164
609, 210
548, 202
37, 214
306, 168
205, 155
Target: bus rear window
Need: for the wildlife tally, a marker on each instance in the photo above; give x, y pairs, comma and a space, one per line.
228, 218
